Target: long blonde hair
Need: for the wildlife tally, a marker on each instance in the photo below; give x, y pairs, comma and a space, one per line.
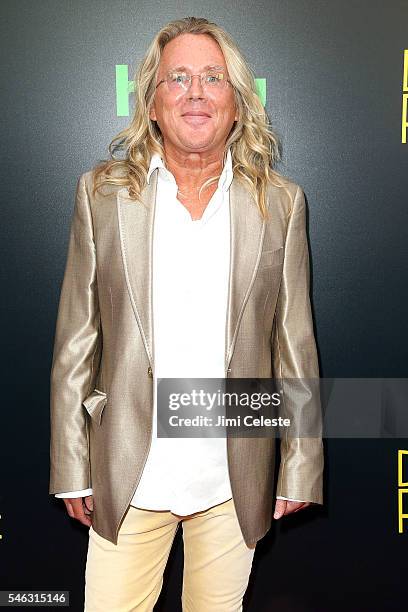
255, 147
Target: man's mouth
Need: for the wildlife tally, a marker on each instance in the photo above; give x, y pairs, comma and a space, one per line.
196, 114
196, 117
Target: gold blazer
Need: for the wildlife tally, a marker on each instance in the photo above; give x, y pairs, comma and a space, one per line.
101, 393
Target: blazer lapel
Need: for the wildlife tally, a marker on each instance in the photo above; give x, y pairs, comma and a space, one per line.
136, 239
247, 233
136, 221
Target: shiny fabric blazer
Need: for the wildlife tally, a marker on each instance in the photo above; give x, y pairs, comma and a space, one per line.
101, 384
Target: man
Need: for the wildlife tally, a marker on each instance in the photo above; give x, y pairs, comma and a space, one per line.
195, 264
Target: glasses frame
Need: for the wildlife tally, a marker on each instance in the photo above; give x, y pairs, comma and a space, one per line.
201, 75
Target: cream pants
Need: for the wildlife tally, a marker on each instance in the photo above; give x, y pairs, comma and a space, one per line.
129, 576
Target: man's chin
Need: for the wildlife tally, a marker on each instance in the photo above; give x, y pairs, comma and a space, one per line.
198, 144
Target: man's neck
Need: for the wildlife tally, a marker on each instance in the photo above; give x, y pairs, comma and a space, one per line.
192, 170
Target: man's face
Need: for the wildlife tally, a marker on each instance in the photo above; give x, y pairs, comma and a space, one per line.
187, 133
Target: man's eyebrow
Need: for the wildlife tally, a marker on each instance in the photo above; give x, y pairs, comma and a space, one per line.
209, 66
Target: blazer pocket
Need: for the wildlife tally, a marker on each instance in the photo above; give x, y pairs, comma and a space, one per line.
272, 258
95, 403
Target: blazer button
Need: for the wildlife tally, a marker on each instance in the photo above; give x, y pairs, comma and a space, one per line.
149, 372
228, 369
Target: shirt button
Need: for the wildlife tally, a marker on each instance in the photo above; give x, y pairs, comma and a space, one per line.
150, 372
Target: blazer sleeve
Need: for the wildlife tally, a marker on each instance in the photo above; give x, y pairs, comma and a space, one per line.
76, 355
295, 363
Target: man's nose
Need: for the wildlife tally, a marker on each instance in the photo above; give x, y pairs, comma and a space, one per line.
196, 89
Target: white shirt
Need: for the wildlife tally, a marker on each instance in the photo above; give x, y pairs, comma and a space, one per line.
190, 289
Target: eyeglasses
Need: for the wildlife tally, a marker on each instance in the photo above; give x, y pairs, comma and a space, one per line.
211, 80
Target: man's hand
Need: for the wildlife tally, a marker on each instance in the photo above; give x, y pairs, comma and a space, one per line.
283, 507
80, 508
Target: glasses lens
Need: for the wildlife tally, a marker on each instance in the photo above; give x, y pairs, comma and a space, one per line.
177, 80
214, 79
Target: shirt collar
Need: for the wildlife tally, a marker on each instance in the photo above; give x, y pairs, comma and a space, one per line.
224, 181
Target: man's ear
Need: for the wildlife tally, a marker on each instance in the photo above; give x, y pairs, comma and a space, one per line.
152, 113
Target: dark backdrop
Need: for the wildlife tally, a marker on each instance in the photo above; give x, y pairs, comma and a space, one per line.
334, 94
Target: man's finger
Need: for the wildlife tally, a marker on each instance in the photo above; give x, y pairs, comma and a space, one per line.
88, 503
293, 507
280, 508
304, 505
69, 507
